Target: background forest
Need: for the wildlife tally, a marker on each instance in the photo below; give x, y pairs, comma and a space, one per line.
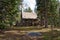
48, 15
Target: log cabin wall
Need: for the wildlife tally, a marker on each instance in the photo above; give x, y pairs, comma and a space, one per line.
29, 22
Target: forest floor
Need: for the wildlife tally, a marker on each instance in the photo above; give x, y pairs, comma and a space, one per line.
35, 30
17, 34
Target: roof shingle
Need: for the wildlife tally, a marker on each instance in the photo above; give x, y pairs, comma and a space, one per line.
29, 15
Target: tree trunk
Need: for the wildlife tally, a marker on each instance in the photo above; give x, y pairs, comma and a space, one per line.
42, 20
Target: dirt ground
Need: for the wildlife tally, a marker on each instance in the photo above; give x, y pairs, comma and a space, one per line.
18, 35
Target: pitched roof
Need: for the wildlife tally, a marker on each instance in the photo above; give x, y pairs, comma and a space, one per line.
29, 15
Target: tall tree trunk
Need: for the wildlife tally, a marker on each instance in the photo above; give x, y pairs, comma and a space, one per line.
47, 4
42, 20
46, 21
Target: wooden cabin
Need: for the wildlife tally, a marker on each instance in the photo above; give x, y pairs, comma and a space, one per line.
28, 19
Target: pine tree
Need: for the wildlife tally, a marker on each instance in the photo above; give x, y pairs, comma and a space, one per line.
8, 12
42, 8
47, 11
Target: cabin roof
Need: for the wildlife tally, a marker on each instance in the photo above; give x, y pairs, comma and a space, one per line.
29, 15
